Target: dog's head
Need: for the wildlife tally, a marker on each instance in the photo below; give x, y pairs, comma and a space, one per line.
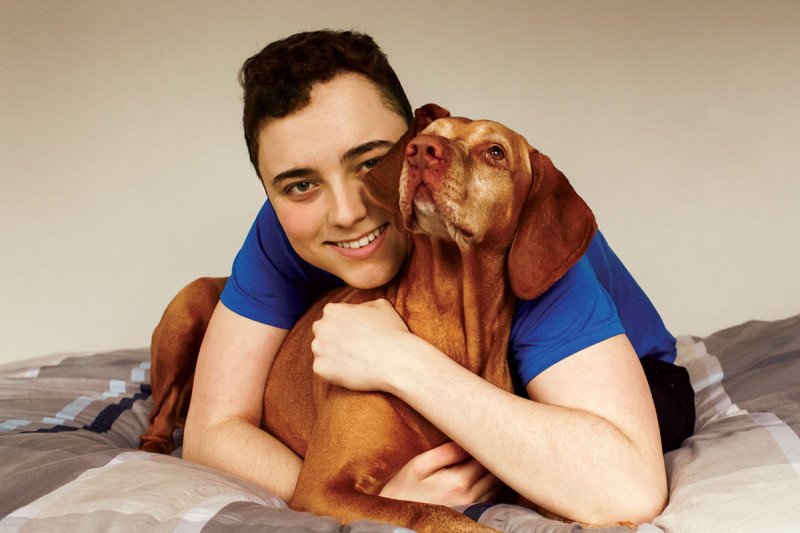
480, 184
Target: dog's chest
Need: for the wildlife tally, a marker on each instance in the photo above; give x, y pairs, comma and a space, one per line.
470, 338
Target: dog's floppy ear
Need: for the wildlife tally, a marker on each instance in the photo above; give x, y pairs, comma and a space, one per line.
553, 231
383, 180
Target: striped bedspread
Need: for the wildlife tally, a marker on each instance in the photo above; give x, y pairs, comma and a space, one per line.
70, 424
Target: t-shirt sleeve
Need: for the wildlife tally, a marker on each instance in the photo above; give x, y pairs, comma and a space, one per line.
573, 314
269, 282
642, 322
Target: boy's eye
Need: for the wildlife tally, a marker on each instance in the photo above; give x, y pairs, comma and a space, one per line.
369, 163
299, 187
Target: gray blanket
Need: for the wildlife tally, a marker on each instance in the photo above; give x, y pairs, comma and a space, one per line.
70, 424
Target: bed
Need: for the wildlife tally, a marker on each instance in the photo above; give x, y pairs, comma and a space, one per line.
70, 423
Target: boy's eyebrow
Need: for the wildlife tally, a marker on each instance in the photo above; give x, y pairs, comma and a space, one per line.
362, 149
352, 153
292, 173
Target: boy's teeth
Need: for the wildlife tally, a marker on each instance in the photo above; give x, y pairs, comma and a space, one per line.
363, 241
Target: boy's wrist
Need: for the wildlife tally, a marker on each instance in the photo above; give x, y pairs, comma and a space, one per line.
416, 359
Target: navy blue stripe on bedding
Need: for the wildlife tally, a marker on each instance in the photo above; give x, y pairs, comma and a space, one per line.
476, 510
106, 418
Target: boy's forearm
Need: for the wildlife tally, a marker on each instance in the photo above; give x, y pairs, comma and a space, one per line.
569, 461
241, 449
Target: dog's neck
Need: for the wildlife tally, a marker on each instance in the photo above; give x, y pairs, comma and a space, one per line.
447, 285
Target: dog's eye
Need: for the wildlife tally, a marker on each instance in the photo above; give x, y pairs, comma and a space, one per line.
496, 152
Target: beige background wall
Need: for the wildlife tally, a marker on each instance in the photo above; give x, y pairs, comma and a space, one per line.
123, 174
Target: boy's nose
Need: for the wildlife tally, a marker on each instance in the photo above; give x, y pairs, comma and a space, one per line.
348, 205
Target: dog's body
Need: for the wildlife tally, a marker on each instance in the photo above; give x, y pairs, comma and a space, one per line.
467, 191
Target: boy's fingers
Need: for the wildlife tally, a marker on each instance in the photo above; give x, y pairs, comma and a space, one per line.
443, 456
486, 488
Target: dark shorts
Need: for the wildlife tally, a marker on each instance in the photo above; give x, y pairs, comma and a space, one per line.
674, 400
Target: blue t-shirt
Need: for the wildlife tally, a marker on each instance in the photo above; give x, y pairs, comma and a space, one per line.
595, 300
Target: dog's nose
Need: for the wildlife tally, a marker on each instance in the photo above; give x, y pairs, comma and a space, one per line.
425, 151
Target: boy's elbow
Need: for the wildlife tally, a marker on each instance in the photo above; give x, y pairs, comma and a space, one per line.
652, 504
642, 505
645, 495
635, 504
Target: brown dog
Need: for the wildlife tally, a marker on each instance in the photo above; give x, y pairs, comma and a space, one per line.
478, 202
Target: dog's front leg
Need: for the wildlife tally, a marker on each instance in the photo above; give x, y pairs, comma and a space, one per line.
173, 357
359, 441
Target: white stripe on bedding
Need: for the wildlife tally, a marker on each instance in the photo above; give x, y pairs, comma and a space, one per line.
710, 385
116, 387
73, 409
706, 376
196, 518
154, 479
784, 436
19, 368
14, 424
138, 374
33, 509
31, 372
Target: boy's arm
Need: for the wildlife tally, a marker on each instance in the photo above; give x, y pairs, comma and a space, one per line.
223, 425
586, 447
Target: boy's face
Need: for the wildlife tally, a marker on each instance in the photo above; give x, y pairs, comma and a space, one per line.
312, 163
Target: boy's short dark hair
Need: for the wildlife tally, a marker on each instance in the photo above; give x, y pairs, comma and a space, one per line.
277, 81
